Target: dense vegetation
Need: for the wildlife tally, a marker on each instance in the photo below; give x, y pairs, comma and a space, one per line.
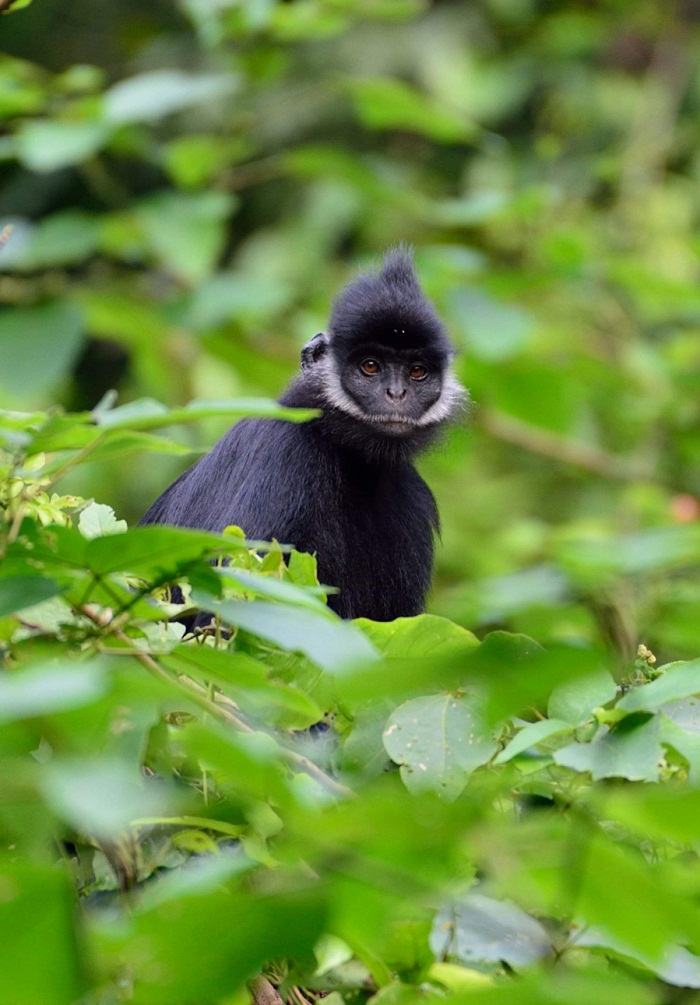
489, 817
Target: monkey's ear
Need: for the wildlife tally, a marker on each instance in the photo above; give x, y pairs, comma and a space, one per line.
313, 350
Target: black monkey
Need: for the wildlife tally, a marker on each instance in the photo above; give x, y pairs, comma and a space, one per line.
343, 485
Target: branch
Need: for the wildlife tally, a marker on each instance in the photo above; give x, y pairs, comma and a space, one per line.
221, 708
560, 448
264, 993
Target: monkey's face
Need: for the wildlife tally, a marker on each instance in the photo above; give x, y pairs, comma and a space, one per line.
394, 389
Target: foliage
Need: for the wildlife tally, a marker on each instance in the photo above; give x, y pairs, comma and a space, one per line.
543, 822
489, 818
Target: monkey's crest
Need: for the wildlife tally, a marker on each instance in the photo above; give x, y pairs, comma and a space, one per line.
389, 308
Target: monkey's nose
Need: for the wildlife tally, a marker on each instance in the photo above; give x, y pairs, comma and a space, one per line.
396, 393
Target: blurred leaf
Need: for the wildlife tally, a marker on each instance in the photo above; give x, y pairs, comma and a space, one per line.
385, 103
632, 750
102, 797
156, 550
333, 644
46, 145
39, 344
19, 592
150, 96
186, 232
58, 240
52, 687
198, 910
478, 929
574, 701
40, 962
490, 330
149, 414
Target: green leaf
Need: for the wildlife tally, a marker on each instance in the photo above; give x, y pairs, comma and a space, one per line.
48, 688
39, 346
574, 700
149, 414
46, 145
245, 681
423, 636
185, 911
258, 585
438, 741
678, 682
386, 103
333, 644
155, 550
632, 750
530, 736
618, 890
491, 330
186, 232
102, 797
150, 96
483, 930
17, 593
98, 520
40, 961
58, 240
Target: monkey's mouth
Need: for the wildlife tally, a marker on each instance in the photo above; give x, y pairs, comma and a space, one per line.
395, 423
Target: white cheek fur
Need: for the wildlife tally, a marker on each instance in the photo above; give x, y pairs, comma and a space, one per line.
452, 397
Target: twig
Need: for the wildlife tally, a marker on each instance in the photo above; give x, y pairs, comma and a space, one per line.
559, 448
264, 993
221, 708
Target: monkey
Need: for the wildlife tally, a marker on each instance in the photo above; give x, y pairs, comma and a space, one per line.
343, 486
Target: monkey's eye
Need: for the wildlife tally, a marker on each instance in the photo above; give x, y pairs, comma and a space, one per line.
418, 371
369, 366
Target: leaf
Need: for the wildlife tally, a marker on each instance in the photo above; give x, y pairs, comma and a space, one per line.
186, 231
677, 966
17, 593
438, 741
40, 961
530, 736
39, 346
155, 550
491, 330
618, 890
423, 636
478, 929
386, 103
46, 145
274, 589
149, 414
678, 682
195, 908
632, 750
102, 797
98, 520
150, 96
333, 644
574, 700
48, 688
58, 240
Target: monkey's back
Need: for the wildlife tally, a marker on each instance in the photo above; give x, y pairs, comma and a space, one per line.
370, 525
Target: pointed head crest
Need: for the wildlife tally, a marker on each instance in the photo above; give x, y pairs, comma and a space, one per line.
390, 309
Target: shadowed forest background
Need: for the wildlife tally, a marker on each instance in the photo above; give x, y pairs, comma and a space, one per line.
191, 184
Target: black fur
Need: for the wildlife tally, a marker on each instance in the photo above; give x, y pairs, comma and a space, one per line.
339, 486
